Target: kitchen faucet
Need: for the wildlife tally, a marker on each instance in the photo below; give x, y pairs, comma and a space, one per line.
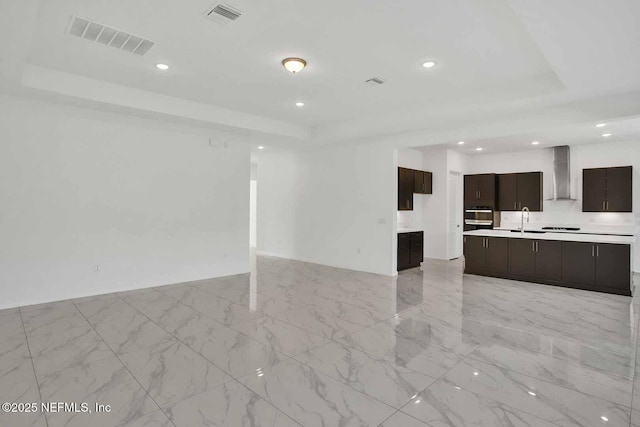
525, 209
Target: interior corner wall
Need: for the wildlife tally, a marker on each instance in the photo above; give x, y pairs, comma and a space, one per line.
435, 204
96, 202
332, 205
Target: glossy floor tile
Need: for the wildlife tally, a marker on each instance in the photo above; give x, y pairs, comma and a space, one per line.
299, 344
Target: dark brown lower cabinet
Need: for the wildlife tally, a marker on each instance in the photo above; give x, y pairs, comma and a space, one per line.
539, 259
591, 266
522, 257
579, 262
486, 254
475, 256
497, 255
549, 259
613, 266
604, 267
410, 249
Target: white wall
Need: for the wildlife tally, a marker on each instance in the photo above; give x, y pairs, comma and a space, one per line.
435, 205
83, 191
253, 200
570, 212
329, 205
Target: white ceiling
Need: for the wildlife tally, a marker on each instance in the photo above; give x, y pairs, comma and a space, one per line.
497, 59
570, 134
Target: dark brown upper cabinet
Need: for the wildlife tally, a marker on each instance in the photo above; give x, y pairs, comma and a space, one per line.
412, 181
422, 182
480, 191
406, 185
607, 189
519, 190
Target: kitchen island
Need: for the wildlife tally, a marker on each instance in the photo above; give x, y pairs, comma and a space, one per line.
595, 262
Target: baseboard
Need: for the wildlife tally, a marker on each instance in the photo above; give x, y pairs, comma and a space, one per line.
36, 301
312, 261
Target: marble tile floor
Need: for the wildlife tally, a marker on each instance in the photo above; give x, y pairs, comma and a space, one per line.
298, 344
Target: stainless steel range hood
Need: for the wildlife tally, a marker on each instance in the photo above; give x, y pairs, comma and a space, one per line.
561, 173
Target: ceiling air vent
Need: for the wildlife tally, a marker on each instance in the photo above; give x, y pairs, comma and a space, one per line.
99, 33
375, 81
223, 13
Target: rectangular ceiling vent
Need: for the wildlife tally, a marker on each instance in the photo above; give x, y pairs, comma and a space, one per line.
375, 81
108, 36
223, 13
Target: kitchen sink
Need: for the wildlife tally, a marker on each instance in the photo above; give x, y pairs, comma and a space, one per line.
529, 231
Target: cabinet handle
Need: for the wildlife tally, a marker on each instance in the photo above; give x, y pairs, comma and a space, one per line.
604, 206
607, 205
593, 248
533, 246
597, 250
515, 205
487, 243
537, 246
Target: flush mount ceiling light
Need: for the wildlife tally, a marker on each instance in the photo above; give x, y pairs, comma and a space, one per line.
460, 142
601, 125
535, 143
606, 135
260, 147
429, 64
479, 149
294, 65
299, 104
163, 67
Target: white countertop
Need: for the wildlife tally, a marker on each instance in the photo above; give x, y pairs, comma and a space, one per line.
584, 229
408, 230
571, 237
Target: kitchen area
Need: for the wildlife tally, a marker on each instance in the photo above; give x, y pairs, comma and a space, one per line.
536, 218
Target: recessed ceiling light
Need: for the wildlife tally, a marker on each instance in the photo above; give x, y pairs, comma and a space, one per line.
603, 418
476, 373
601, 125
417, 401
260, 147
606, 135
163, 67
294, 65
299, 104
429, 64
460, 142
479, 149
535, 143
531, 393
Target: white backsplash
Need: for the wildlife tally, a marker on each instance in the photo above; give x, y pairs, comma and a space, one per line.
569, 213
408, 220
